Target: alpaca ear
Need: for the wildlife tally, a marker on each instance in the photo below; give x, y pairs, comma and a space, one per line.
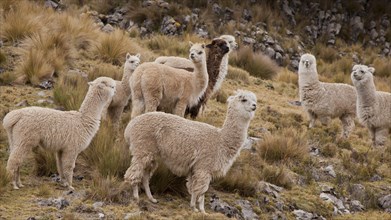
209, 46
355, 67
138, 55
203, 46
371, 69
90, 83
190, 43
127, 56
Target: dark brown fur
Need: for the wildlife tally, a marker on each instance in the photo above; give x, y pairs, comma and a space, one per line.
216, 51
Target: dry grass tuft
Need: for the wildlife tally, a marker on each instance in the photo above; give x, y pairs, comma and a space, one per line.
238, 74
34, 68
287, 144
163, 181
110, 158
382, 67
112, 47
105, 69
4, 177
108, 189
277, 175
256, 64
69, 91
287, 76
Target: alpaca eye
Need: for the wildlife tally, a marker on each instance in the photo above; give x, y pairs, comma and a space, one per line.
361, 71
131, 61
244, 100
200, 52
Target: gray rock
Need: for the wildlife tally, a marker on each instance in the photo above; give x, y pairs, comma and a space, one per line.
217, 9
42, 101
330, 170
374, 34
269, 40
169, 26
47, 84
51, 4
331, 42
356, 206
115, 18
278, 216
270, 52
228, 14
249, 40
60, 202
333, 199
108, 28
22, 103
247, 15
41, 93
247, 211
98, 205
101, 215
203, 33
295, 64
385, 202
372, 25
132, 215
357, 191
385, 22
279, 49
279, 58
269, 188
375, 178
223, 207
302, 215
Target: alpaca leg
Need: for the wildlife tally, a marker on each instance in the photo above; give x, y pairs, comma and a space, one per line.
136, 172
381, 136
146, 187
188, 184
347, 125
138, 107
68, 164
59, 165
200, 185
180, 108
152, 101
312, 117
20, 185
13, 164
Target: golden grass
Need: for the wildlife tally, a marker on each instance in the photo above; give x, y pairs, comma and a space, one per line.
238, 74
69, 91
284, 75
45, 162
34, 68
105, 69
256, 64
4, 178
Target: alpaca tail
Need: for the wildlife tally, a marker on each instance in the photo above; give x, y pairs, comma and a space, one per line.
9, 122
161, 60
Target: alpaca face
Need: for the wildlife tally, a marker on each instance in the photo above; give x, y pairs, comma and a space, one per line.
219, 46
105, 87
361, 74
230, 40
244, 102
132, 61
197, 52
307, 63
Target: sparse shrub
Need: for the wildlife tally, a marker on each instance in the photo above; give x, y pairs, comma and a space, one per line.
108, 189
287, 144
70, 90
238, 74
222, 96
45, 162
383, 67
256, 64
163, 45
43, 191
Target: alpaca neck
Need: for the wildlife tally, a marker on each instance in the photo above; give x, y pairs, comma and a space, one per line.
92, 106
234, 133
308, 78
125, 80
223, 69
201, 77
366, 94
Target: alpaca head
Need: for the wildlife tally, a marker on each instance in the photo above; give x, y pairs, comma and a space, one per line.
230, 40
104, 87
218, 47
307, 63
244, 103
362, 74
132, 61
197, 52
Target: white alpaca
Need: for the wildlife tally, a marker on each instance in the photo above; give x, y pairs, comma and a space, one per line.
156, 85
373, 107
67, 133
122, 93
325, 100
188, 148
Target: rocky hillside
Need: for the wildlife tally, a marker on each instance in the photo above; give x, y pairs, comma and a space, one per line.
50, 49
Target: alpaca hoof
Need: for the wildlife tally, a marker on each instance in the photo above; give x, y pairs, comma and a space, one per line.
15, 187
71, 188
20, 185
195, 209
154, 201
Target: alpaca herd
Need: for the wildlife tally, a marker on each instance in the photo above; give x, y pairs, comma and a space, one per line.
180, 86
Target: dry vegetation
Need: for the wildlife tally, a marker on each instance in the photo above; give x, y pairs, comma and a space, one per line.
49, 45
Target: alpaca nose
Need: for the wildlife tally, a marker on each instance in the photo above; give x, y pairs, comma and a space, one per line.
306, 63
192, 56
254, 106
